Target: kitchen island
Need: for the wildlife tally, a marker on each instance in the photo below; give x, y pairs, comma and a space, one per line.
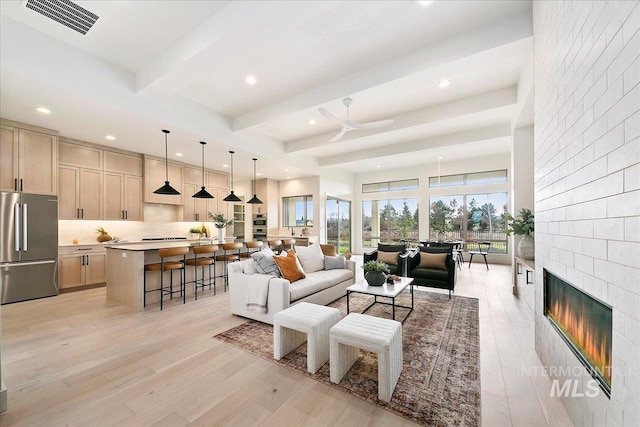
125, 271
300, 240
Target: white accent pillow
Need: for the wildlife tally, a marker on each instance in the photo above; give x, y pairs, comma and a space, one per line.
311, 257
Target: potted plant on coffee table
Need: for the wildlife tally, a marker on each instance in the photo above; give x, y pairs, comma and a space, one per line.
522, 224
374, 272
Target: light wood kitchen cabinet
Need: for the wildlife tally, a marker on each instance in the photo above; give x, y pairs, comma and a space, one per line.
218, 180
122, 197
80, 193
154, 178
28, 160
195, 209
128, 164
82, 266
118, 176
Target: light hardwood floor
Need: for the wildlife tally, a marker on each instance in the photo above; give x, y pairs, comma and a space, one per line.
77, 359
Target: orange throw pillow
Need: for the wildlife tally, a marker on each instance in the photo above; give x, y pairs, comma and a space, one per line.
388, 257
428, 260
288, 267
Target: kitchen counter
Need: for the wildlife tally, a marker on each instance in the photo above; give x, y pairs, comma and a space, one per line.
135, 242
125, 270
300, 240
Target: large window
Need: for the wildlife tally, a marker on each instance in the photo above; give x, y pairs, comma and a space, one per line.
339, 223
470, 217
297, 211
468, 178
389, 221
405, 184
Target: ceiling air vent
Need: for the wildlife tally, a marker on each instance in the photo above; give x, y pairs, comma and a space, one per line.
65, 12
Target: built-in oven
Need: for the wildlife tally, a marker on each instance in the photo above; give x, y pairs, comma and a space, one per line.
259, 220
260, 227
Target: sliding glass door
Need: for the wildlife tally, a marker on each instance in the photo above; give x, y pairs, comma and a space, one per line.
339, 224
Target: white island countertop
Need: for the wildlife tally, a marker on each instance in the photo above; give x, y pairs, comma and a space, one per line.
160, 244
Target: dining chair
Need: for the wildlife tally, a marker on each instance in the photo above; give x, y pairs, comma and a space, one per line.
483, 249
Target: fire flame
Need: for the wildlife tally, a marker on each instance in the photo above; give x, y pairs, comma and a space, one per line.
594, 346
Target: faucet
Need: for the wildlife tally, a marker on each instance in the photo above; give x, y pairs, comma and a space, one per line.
292, 232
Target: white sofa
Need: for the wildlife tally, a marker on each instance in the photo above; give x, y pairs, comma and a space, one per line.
320, 287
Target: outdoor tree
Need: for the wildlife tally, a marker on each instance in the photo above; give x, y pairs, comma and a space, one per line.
406, 220
440, 216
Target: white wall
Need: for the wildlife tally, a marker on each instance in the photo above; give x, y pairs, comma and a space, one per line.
587, 185
424, 192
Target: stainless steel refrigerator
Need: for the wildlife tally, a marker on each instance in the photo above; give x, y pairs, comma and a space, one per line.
28, 246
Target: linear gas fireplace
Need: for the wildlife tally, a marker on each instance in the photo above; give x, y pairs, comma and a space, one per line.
584, 323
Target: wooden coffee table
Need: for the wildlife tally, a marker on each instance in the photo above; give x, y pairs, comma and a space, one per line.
386, 291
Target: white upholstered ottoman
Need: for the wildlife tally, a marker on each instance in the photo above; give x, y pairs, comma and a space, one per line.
381, 336
304, 321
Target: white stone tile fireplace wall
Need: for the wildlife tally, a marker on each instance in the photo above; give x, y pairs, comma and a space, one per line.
587, 187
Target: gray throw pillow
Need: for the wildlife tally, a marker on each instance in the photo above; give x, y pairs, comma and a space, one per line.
265, 263
334, 262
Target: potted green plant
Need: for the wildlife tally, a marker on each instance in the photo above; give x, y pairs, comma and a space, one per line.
523, 225
374, 272
195, 232
220, 222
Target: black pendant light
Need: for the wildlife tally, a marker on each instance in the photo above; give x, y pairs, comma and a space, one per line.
166, 189
203, 194
254, 200
232, 197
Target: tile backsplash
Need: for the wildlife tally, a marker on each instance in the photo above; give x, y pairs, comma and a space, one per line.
85, 231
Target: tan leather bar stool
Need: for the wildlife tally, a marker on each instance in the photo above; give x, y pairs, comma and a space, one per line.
201, 259
251, 247
230, 253
167, 265
275, 244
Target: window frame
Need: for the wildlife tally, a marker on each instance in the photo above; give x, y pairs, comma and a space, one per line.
306, 210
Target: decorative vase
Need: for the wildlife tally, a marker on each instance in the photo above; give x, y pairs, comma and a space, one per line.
527, 247
374, 278
104, 237
221, 235
347, 255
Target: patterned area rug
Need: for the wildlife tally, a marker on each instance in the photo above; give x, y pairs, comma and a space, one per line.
440, 381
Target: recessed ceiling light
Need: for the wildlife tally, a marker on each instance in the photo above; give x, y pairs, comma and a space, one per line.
110, 137
179, 154
440, 158
288, 177
286, 170
444, 83
312, 121
424, 3
251, 80
377, 166
259, 174
225, 165
43, 110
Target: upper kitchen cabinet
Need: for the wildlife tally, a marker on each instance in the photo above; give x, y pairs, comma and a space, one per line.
218, 180
80, 181
122, 186
154, 178
80, 193
28, 159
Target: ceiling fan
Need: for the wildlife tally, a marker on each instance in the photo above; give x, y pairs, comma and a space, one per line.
348, 125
